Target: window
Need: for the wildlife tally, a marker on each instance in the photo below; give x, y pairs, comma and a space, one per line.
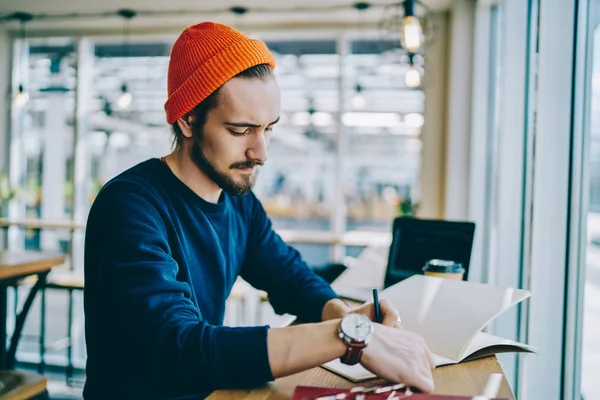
126, 123
590, 386
382, 121
296, 184
43, 137
42, 148
345, 153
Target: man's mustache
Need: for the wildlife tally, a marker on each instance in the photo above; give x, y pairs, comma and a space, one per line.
245, 164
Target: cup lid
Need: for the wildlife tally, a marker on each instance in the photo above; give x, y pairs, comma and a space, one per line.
443, 266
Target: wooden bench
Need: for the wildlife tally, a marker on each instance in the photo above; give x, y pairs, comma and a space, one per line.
19, 385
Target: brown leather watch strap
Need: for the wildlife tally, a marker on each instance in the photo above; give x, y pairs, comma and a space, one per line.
353, 354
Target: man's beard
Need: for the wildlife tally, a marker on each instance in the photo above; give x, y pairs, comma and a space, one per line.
223, 180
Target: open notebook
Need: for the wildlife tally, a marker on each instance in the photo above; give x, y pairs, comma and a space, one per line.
450, 316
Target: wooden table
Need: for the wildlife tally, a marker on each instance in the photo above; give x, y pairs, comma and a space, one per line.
466, 379
36, 223
14, 265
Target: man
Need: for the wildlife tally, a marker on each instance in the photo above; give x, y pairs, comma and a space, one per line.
166, 240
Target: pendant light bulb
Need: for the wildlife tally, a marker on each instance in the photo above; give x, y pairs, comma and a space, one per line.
413, 77
125, 98
358, 100
411, 33
21, 98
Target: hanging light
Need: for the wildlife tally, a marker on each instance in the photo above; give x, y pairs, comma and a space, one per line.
358, 100
401, 25
238, 14
125, 98
413, 75
21, 98
361, 7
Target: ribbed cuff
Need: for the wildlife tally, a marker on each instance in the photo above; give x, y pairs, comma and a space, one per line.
243, 356
318, 299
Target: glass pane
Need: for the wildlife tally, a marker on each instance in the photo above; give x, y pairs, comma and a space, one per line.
295, 185
42, 148
382, 119
127, 118
42, 138
590, 385
127, 126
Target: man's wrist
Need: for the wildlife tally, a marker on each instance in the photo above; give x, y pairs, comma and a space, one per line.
334, 309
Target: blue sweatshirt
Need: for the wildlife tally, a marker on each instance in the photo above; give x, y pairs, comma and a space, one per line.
159, 264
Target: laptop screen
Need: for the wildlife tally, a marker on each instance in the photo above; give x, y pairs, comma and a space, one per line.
416, 241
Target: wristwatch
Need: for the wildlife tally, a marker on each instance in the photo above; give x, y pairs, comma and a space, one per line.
355, 330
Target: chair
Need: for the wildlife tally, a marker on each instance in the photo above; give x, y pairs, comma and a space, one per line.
69, 282
330, 272
416, 241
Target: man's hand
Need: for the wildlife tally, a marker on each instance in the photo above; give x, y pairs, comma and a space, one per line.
392, 354
336, 308
399, 356
389, 315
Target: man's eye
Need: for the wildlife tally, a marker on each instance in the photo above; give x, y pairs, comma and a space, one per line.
237, 133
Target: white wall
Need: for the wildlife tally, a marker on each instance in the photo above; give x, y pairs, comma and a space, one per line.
177, 14
459, 109
446, 135
5, 71
433, 133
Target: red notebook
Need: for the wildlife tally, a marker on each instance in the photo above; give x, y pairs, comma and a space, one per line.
389, 392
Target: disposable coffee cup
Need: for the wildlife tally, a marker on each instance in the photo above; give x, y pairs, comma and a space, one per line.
444, 269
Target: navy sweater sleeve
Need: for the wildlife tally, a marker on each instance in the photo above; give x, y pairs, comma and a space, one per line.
277, 268
132, 285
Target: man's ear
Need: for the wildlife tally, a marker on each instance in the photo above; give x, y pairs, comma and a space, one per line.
185, 124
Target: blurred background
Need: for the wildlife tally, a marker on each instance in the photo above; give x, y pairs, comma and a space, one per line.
440, 109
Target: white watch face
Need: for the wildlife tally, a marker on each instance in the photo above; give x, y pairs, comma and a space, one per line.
356, 326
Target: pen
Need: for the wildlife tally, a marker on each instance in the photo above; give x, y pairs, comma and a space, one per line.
376, 306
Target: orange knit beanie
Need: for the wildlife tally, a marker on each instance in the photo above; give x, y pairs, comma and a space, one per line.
203, 58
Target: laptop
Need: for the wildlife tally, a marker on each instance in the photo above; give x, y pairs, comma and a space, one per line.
414, 242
